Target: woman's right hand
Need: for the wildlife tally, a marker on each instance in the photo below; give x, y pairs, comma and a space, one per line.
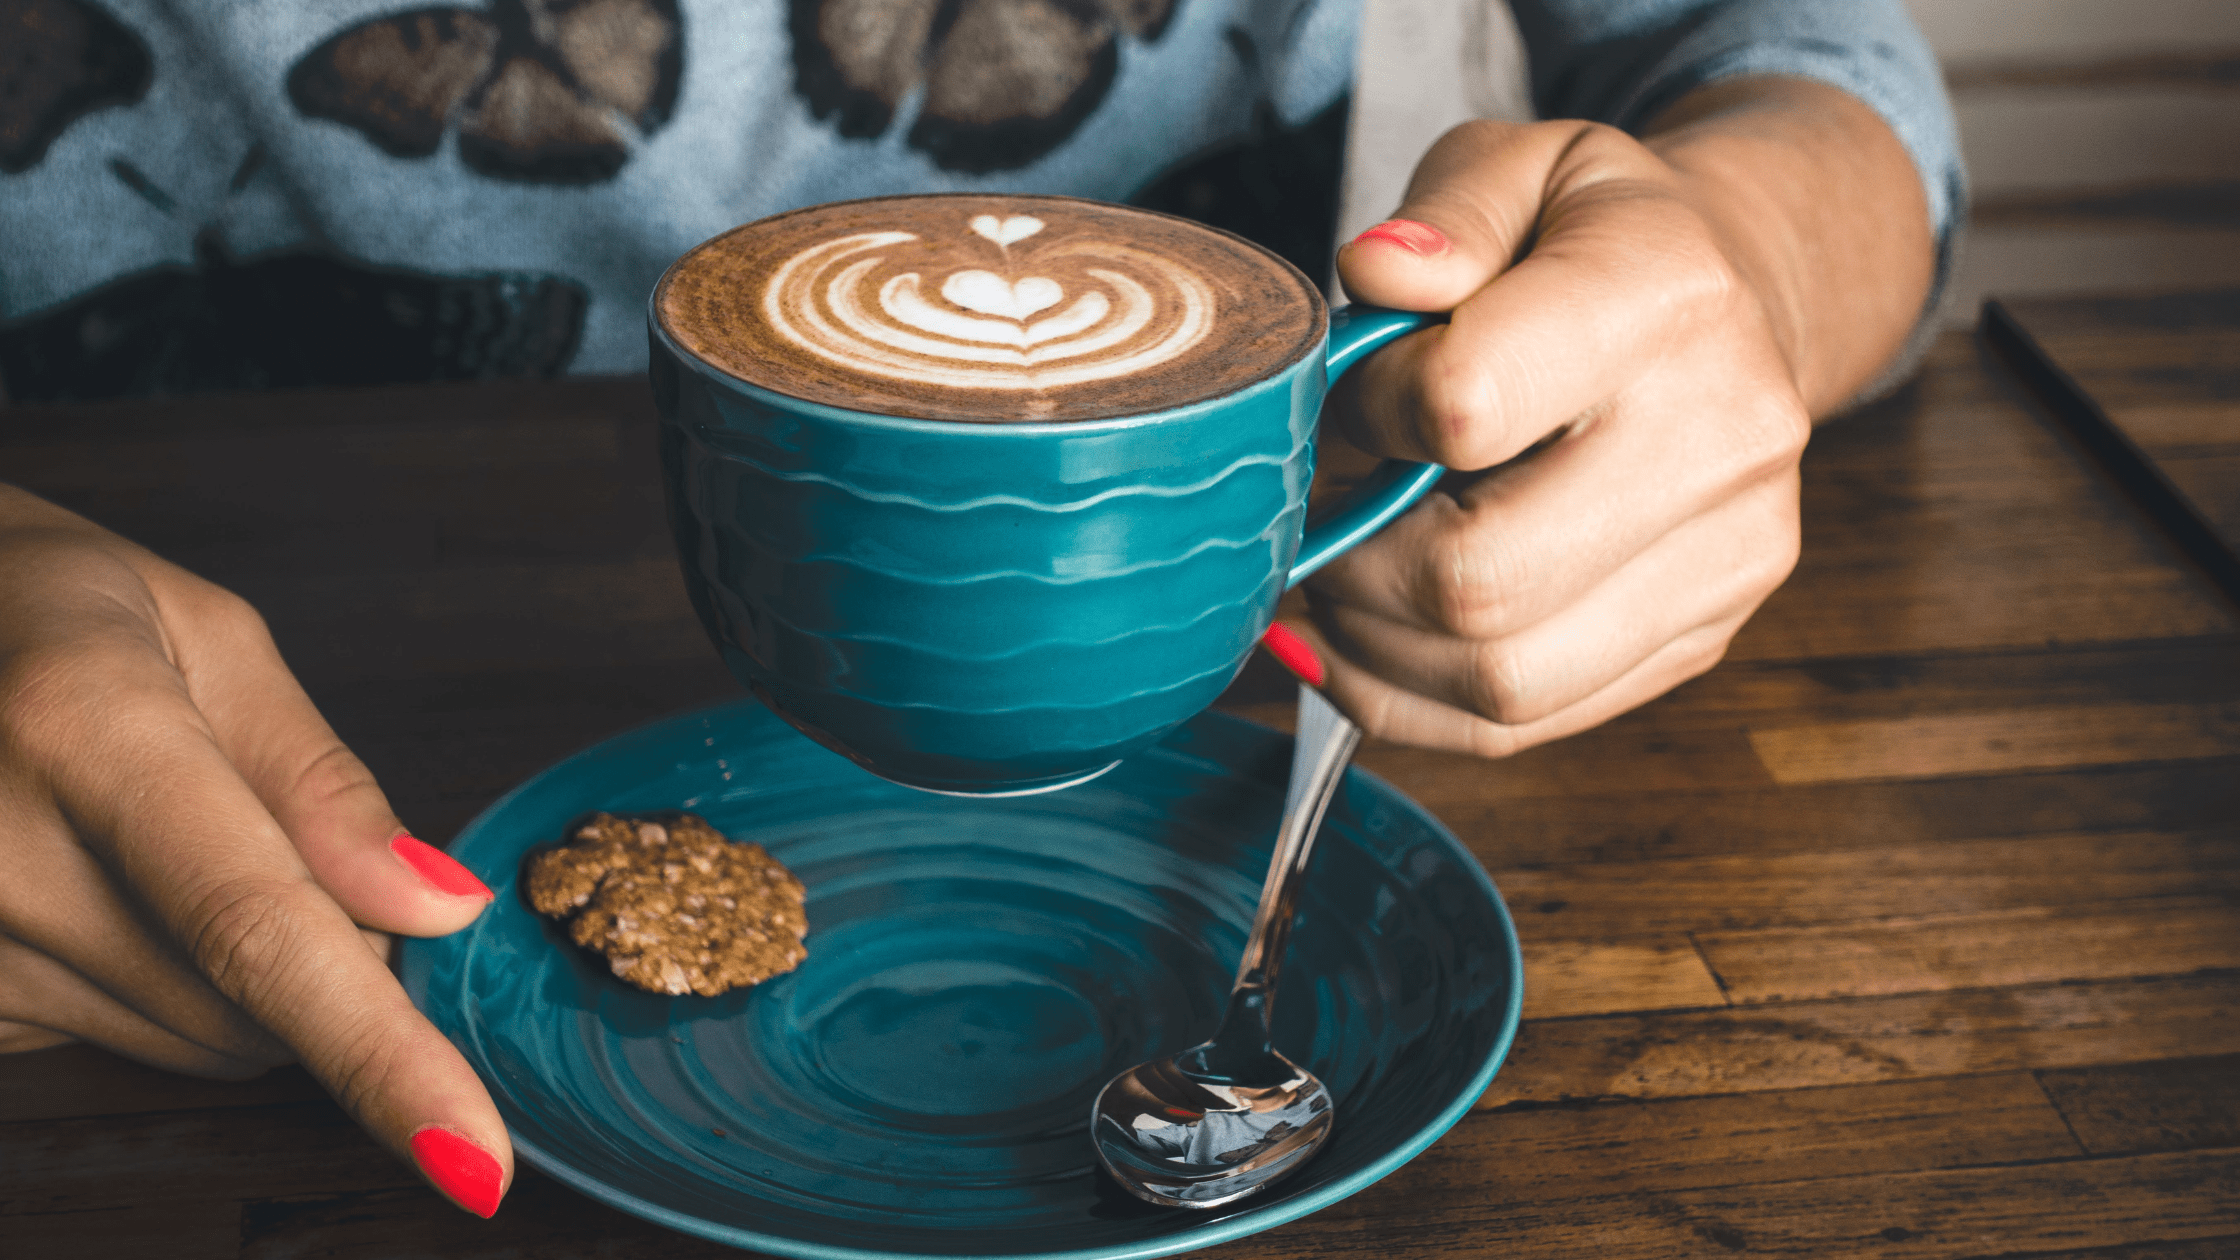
198, 874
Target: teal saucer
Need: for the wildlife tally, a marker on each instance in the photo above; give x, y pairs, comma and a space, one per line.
978, 968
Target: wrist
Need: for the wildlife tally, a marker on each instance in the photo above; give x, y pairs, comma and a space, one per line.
1819, 209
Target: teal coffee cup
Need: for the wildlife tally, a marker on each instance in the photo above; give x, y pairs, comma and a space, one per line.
991, 608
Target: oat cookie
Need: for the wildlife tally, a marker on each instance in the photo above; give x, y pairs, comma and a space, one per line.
674, 906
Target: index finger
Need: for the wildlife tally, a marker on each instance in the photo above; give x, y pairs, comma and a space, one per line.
220, 875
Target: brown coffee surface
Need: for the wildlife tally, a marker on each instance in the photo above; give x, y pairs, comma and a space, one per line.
990, 308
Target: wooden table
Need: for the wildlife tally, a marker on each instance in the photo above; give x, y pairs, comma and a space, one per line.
1913, 930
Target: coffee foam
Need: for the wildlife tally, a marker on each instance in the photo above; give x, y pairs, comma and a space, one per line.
959, 307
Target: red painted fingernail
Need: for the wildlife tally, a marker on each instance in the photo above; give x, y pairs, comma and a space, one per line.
1420, 239
459, 1168
436, 866
1286, 646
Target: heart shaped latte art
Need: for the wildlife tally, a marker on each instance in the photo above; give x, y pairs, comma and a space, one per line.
1064, 310
991, 294
1006, 231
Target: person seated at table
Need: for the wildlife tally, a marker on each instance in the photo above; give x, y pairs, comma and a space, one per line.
1732, 227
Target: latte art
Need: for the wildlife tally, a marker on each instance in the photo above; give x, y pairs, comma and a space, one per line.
989, 309
1116, 311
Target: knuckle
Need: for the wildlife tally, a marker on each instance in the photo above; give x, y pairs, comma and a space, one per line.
1781, 427
1597, 136
1498, 684
37, 688
1377, 713
247, 933
218, 611
364, 1064
1774, 542
1470, 143
1763, 440
1468, 582
1699, 283
53, 694
1479, 133
1493, 740
1779, 558
1584, 153
1460, 415
334, 773
243, 1048
1702, 651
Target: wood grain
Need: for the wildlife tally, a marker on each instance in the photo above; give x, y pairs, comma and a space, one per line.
2160, 406
1941, 877
1974, 529
1612, 825
2211, 483
2160, 937
2178, 428
1974, 743
1798, 1045
1606, 977
102, 1163
542, 1220
2173, 1105
2221, 1247
1936, 1215
206, 1229
1785, 1135
82, 1080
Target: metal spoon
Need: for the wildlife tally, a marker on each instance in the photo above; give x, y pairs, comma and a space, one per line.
1230, 1117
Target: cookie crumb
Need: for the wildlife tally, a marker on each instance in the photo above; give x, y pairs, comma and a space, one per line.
673, 906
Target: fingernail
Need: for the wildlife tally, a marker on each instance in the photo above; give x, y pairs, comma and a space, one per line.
459, 1168
436, 866
1286, 646
1420, 239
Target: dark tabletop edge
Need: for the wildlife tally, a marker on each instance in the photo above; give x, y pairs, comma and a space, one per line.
2083, 417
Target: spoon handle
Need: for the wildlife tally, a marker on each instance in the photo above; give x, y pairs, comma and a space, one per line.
1324, 744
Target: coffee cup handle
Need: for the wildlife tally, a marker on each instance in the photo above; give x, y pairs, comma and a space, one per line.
1397, 483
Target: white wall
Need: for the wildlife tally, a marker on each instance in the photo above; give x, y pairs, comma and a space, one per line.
1978, 31
2067, 107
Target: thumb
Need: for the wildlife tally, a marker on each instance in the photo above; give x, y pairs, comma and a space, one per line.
1471, 210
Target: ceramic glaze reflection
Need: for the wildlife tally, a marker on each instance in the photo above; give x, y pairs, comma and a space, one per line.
1014, 306
977, 970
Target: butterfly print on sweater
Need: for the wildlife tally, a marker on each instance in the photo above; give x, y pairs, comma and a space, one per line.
59, 61
540, 91
297, 316
1006, 81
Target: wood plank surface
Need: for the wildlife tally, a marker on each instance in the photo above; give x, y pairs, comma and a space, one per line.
2157, 937
2128, 1108
82, 1080
1908, 931
1845, 1041
2161, 378
1908, 1216
1544, 1154
2020, 739
543, 1220
1611, 824
1846, 885
1602, 977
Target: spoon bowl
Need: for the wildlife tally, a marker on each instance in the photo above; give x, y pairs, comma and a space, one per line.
1230, 1116
1171, 1136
